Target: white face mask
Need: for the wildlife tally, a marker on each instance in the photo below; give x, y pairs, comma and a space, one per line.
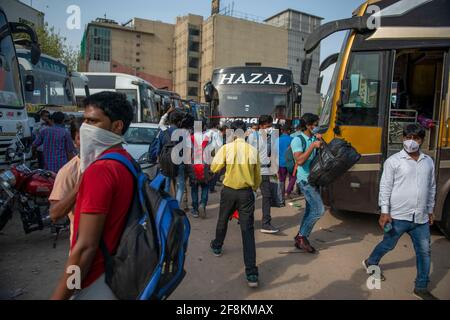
411, 146
93, 142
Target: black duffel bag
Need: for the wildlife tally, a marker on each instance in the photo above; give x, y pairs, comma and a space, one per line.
334, 159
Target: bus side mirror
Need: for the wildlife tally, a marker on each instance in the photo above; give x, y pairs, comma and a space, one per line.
208, 90
29, 83
35, 53
32, 43
306, 70
319, 84
298, 94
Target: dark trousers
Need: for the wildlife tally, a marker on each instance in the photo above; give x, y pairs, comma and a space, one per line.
244, 202
266, 201
284, 174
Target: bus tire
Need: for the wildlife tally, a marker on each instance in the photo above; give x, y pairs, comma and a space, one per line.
5, 217
444, 224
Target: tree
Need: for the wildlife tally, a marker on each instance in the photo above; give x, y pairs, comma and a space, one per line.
55, 45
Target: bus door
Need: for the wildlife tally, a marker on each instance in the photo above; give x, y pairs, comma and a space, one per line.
443, 159
360, 120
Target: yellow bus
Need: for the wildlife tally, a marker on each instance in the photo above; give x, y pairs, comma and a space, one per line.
393, 69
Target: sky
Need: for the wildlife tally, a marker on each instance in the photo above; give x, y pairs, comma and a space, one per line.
168, 10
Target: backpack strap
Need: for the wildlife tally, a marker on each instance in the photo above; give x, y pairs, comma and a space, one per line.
102, 245
302, 139
123, 160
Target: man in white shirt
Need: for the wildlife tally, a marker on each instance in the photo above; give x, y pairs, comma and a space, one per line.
407, 200
262, 141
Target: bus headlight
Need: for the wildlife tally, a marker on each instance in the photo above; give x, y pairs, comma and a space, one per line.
10, 153
8, 177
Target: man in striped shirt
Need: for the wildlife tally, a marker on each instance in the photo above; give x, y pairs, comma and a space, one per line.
58, 147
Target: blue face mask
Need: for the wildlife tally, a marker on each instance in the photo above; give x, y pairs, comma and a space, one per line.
315, 131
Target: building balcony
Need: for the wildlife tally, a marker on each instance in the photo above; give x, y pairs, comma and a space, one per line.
193, 54
194, 38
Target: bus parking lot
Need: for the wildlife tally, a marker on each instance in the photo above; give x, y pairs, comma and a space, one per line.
30, 267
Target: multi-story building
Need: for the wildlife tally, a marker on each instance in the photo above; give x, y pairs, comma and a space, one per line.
18, 11
182, 57
187, 55
299, 26
141, 47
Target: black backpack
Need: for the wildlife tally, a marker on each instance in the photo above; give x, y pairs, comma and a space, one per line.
149, 261
334, 159
168, 168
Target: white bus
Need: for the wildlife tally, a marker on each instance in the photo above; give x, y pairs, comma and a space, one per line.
139, 92
13, 116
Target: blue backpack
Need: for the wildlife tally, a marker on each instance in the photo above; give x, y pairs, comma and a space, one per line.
149, 261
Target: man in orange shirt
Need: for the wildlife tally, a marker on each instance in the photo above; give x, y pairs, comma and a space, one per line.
65, 190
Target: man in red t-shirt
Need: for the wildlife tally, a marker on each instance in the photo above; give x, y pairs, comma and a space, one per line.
103, 200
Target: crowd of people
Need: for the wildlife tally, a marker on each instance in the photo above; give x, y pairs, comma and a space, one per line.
97, 194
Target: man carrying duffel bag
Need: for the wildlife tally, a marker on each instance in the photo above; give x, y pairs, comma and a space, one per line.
304, 148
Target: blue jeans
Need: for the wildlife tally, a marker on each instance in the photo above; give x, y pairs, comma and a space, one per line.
181, 184
420, 236
314, 208
204, 196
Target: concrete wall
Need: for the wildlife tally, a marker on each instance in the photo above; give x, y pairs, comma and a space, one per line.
229, 41
182, 54
299, 27
17, 11
147, 49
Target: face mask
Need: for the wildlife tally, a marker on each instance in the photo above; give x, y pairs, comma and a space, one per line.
411, 146
93, 142
315, 130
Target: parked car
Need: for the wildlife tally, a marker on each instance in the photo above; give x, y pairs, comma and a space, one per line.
138, 139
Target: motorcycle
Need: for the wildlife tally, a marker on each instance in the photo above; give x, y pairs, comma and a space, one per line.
27, 191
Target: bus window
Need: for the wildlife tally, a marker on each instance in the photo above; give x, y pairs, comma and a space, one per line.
361, 107
10, 87
133, 99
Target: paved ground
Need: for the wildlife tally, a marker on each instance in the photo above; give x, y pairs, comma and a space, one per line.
30, 267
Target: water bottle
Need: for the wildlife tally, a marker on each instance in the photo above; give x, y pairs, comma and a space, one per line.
388, 227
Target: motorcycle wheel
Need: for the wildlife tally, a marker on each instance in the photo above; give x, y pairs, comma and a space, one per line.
5, 217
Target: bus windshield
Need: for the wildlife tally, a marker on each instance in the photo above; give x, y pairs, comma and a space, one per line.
149, 112
52, 84
252, 101
10, 87
325, 115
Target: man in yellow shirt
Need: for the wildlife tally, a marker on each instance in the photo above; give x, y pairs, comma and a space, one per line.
242, 179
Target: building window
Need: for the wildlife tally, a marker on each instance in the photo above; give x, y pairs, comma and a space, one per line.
193, 91
138, 44
193, 77
194, 46
194, 32
253, 64
100, 44
193, 63
138, 60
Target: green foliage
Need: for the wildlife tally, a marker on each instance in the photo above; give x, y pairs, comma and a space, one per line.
55, 45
